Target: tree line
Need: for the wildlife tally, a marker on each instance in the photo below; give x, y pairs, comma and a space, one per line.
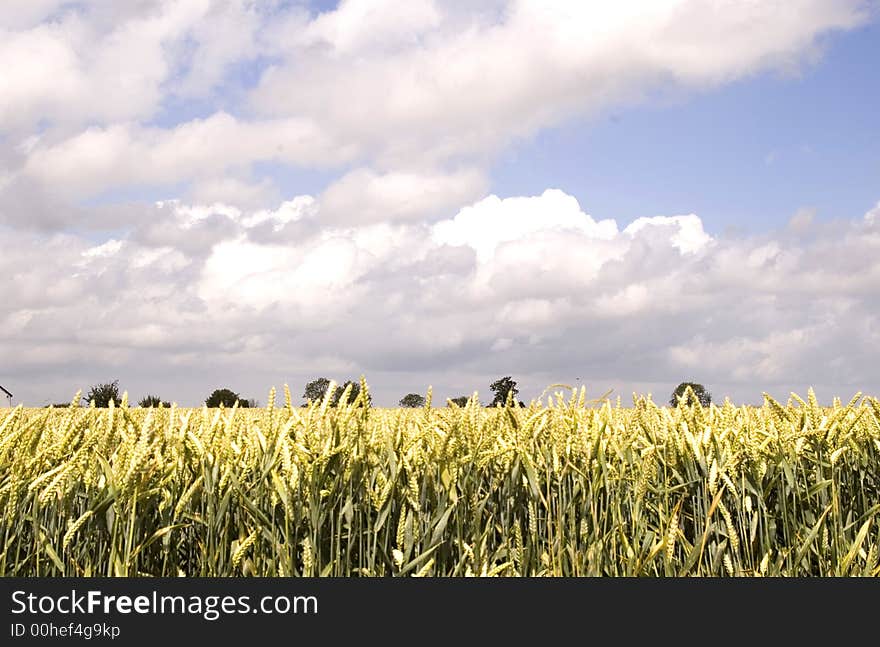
504, 392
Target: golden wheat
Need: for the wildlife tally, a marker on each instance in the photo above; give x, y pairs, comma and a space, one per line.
561, 487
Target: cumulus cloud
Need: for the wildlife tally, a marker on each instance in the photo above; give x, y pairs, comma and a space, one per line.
400, 265
364, 196
462, 83
493, 221
873, 216
232, 190
67, 64
97, 159
358, 25
403, 299
74, 69
430, 85
687, 231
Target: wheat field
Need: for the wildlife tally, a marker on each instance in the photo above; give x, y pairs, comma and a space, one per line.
563, 487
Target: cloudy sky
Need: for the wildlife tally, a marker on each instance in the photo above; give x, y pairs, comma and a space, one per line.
235, 193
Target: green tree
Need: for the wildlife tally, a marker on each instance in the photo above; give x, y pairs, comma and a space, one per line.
460, 401
352, 395
412, 401
703, 395
502, 387
316, 389
226, 398
152, 401
102, 394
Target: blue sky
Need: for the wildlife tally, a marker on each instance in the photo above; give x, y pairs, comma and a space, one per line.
440, 193
747, 155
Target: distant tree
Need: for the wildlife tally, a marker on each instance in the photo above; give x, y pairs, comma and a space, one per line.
340, 390
316, 389
352, 395
102, 394
152, 401
460, 401
250, 403
501, 388
412, 401
226, 398
699, 390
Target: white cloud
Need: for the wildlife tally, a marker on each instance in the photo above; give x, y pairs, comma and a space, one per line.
358, 25
761, 256
529, 314
437, 86
97, 63
189, 215
466, 83
315, 278
762, 359
21, 14
299, 208
628, 301
501, 344
226, 33
104, 250
802, 219
401, 265
741, 315
493, 221
688, 236
232, 190
99, 159
364, 196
